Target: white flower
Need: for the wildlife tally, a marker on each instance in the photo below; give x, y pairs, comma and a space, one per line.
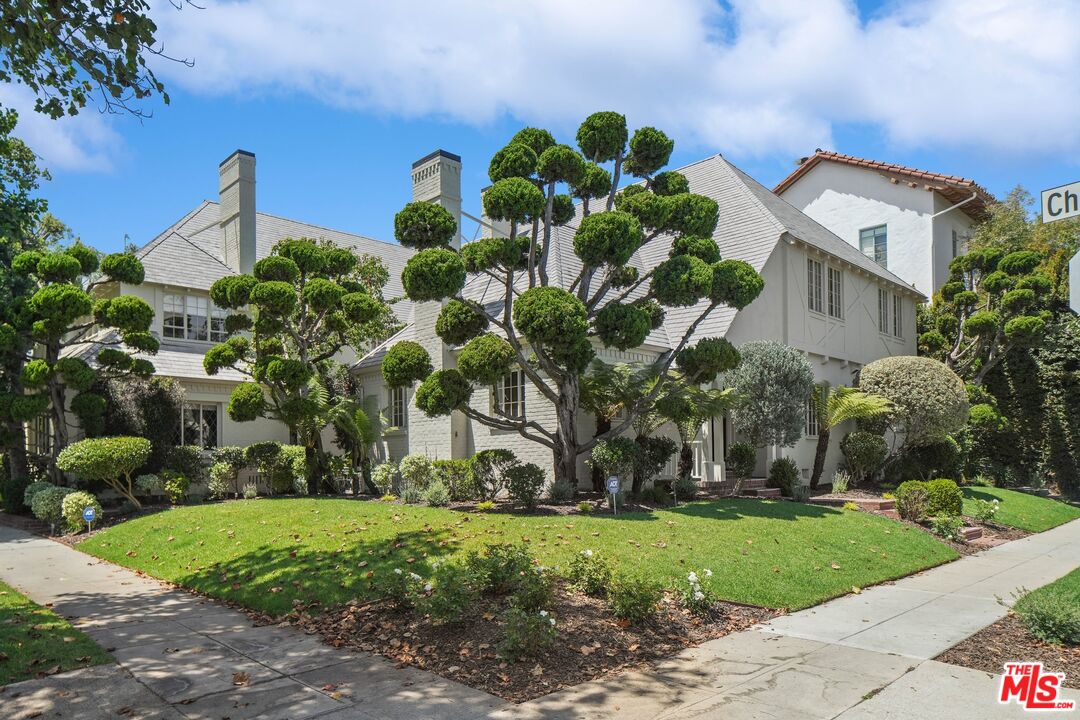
427, 587
397, 571
414, 576
708, 572
587, 553
692, 577
552, 621
698, 595
543, 613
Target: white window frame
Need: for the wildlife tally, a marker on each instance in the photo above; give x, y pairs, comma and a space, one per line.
883, 310
836, 299
814, 285
878, 250
898, 316
39, 435
398, 408
811, 425
189, 310
201, 408
508, 396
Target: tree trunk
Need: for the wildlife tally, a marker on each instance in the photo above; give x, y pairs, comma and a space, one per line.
566, 442
365, 472
602, 426
313, 459
686, 461
819, 456
18, 468
639, 476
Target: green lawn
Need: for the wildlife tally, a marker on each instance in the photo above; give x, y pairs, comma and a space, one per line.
36, 640
1020, 510
1067, 588
266, 553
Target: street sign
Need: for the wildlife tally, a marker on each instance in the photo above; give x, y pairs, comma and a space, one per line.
1061, 203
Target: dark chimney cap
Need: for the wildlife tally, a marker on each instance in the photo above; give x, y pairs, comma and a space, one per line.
437, 153
236, 152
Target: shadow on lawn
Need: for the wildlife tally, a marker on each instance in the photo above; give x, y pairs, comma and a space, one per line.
273, 578
731, 509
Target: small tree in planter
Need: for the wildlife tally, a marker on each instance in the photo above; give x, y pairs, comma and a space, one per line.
112, 460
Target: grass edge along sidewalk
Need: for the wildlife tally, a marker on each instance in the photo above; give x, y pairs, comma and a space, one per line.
266, 554
1021, 510
36, 642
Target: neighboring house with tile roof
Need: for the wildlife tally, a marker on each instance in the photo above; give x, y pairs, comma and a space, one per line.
914, 222
822, 296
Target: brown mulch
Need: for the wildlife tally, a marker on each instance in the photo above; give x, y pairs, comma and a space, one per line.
1007, 641
591, 643
851, 494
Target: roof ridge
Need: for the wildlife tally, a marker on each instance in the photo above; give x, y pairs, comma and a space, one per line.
171, 229
765, 212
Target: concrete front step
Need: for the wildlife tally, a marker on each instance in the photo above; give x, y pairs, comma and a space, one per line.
763, 492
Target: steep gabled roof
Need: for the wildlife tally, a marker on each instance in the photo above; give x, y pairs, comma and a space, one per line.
953, 188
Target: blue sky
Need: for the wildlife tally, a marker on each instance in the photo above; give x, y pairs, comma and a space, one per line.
336, 108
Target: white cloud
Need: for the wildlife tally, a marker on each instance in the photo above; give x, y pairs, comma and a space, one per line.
85, 142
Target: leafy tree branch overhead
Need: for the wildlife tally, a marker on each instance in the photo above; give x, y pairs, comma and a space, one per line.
547, 326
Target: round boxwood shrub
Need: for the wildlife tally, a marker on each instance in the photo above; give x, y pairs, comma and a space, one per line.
48, 504
73, 506
33, 489
929, 399
864, 453
912, 500
514, 160
944, 498
525, 483
595, 182
670, 183
784, 474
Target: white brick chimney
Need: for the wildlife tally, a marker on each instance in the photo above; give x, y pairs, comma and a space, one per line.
437, 178
236, 185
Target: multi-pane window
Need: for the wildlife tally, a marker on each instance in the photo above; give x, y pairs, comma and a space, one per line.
39, 435
898, 316
192, 317
812, 425
874, 243
399, 415
883, 310
509, 395
836, 293
813, 285
199, 425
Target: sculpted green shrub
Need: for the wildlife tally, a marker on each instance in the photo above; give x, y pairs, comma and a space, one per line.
525, 484
944, 497
929, 400
48, 504
73, 506
912, 500
864, 453
784, 474
112, 460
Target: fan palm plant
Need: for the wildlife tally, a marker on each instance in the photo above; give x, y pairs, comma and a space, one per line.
688, 406
832, 407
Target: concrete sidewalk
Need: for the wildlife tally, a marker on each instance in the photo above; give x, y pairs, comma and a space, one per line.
857, 657
180, 656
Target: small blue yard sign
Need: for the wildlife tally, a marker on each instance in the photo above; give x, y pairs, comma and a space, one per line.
613, 487
88, 515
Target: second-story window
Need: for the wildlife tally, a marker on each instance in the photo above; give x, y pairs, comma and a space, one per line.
192, 317
813, 285
836, 293
874, 243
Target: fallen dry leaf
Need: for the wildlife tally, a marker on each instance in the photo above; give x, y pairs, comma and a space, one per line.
241, 678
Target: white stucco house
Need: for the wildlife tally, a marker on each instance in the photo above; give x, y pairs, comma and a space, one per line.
822, 296
913, 222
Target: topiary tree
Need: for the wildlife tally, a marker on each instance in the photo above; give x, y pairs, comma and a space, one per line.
772, 384
301, 306
993, 302
65, 313
929, 401
112, 460
546, 325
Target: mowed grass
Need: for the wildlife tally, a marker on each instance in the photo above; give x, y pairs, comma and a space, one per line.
35, 640
1065, 589
267, 553
1020, 510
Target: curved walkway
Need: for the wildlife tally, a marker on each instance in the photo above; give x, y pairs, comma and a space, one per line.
861, 656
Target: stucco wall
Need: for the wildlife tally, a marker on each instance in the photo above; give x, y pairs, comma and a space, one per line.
846, 200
